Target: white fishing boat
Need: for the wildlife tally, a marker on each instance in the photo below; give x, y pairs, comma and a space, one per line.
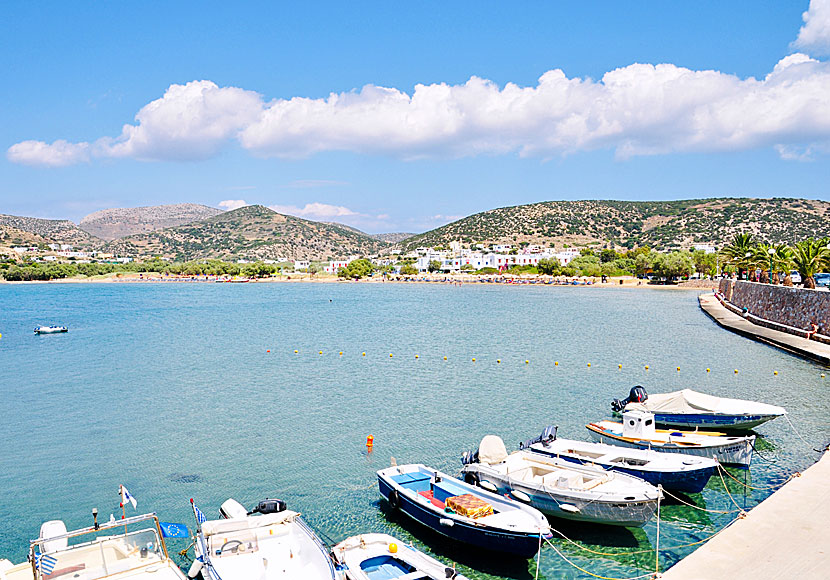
382, 557
637, 430
690, 409
560, 488
674, 472
120, 549
50, 329
269, 542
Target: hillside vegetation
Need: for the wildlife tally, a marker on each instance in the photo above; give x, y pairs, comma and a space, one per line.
252, 232
47, 231
627, 224
111, 224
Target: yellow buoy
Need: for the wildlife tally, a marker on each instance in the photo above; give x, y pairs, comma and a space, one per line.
390, 355
296, 351
775, 373
498, 360
341, 353
619, 366
393, 548
474, 359
678, 368
707, 370
736, 371
589, 364
363, 354
822, 375
321, 352
527, 362
556, 363
416, 356
445, 358
646, 367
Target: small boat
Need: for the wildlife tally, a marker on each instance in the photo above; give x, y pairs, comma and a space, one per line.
274, 543
673, 472
380, 556
690, 409
119, 549
637, 430
50, 329
463, 512
560, 488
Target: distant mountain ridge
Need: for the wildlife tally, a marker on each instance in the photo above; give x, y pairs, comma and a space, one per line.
253, 232
111, 224
661, 225
393, 237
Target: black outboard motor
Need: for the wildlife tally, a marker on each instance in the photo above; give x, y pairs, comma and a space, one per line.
269, 506
636, 395
548, 435
469, 457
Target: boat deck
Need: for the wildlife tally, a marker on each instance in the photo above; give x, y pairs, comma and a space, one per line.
783, 537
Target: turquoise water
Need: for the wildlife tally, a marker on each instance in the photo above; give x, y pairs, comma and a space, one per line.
170, 390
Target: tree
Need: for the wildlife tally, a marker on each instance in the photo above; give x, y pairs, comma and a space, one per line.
467, 267
810, 257
548, 266
705, 264
674, 264
408, 270
433, 266
608, 256
357, 269
741, 253
644, 262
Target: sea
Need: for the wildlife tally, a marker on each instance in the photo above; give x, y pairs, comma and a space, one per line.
252, 391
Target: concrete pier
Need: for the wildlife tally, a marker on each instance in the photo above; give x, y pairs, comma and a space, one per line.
783, 537
810, 349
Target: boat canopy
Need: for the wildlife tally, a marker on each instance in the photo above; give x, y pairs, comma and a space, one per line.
214, 527
492, 450
689, 401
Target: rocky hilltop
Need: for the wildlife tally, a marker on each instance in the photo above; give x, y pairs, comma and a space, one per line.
111, 224
662, 225
60, 231
252, 232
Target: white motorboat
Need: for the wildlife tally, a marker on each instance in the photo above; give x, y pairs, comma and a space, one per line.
690, 409
675, 472
50, 329
638, 430
380, 556
560, 488
130, 548
269, 542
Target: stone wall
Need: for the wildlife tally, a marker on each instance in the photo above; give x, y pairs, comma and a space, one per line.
794, 307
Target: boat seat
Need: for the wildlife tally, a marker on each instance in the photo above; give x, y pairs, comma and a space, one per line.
214, 527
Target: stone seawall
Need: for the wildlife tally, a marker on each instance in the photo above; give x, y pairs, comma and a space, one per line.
795, 307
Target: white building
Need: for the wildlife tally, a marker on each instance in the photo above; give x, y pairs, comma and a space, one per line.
706, 248
334, 266
301, 265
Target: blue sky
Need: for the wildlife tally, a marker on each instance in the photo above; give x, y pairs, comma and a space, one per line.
401, 118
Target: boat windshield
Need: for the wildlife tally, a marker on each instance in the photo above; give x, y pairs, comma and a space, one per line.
90, 556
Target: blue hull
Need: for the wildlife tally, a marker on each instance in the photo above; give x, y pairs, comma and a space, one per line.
710, 420
524, 545
685, 481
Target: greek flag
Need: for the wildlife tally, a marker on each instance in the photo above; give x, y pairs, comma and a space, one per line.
45, 563
200, 517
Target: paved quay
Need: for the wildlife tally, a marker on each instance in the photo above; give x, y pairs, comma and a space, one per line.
785, 537
810, 349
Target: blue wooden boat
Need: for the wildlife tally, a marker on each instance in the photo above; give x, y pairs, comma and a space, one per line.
688, 409
463, 512
674, 472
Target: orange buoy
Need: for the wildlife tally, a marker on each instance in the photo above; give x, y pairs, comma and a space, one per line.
268, 350
370, 440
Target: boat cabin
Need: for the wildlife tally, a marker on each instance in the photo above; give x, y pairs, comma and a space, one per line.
638, 425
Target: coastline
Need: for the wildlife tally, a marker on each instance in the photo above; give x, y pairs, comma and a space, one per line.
526, 280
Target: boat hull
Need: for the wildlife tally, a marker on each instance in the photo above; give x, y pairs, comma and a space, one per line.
593, 509
711, 421
520, 544
736, 453
688, 481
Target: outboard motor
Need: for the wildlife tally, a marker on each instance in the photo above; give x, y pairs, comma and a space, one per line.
548, 435
469, 457
269, 506
636, 395
232, 509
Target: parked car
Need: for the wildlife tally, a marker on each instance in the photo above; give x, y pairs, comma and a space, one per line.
796, 277
822, 280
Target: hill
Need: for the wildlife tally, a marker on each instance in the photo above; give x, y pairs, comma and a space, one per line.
252, 232
111, 224
49, 230
627, 224
393, 237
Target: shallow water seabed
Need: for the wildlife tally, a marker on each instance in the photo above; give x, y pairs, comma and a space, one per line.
170, 390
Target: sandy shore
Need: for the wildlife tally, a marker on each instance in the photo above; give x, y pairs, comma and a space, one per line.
464, 279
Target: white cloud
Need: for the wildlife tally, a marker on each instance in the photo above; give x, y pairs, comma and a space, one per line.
58, 154
640, 109
316, 211
230, 204
814, 36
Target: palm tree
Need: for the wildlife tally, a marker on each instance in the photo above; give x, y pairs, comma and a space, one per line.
810, 256
740, 252
782, 261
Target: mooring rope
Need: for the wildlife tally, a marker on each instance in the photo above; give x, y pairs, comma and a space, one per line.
800, 437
